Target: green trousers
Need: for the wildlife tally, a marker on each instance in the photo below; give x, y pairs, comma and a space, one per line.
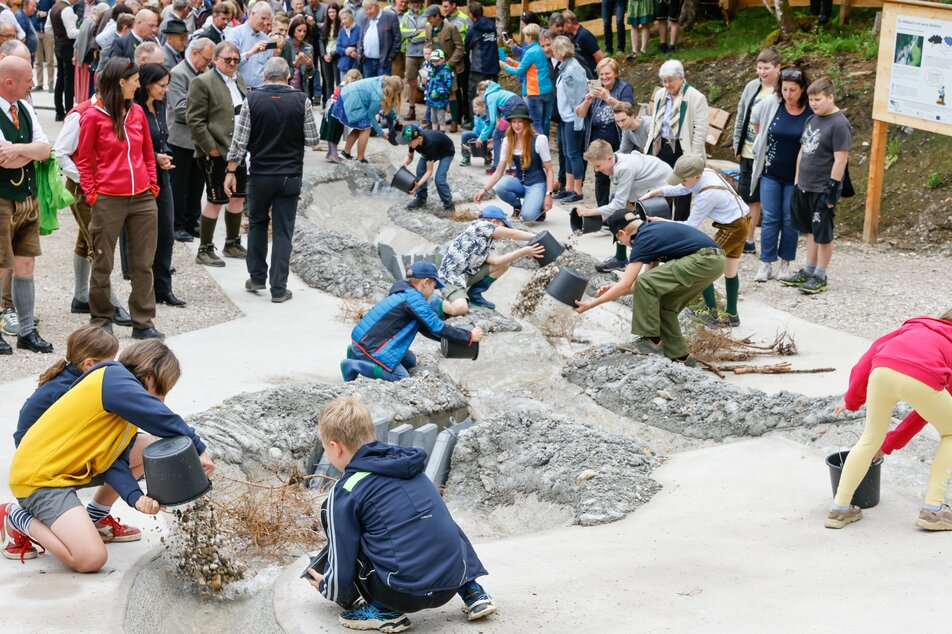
663, 292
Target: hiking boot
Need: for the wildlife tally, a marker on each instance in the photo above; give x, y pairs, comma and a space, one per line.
764, 272
9, 322
253, 287
750, 247
839, 519
112, 530
16, 545
610, 264
233, 249
940, 520
370, 617
687, 361
478, 605
813, 286
411, 114
206, 255
280, 299
796, 279
643, 345
416, 203
784, 270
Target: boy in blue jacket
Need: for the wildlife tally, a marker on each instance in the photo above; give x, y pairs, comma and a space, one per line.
390, 538
380, 342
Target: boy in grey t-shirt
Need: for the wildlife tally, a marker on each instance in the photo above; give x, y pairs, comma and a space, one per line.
821, 166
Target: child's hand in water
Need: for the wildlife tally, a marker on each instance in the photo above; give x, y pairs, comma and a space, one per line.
840, 408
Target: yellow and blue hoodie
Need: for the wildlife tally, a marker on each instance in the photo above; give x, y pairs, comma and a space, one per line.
90, 431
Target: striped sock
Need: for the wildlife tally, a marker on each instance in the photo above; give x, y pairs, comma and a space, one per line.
20, 519
97, 511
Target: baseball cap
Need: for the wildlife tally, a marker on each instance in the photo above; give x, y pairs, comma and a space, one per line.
495, 213
687, 166
424, 271
431, 11
621, 219
436, 55
410, 132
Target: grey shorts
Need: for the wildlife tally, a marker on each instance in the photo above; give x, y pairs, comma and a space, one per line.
50, 503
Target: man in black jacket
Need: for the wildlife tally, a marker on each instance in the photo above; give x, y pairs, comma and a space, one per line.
144, 29
221, 15
480, 46
275, 124
63, 24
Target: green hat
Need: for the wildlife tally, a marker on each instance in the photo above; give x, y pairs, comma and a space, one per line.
687, 166
410, 132
175, 27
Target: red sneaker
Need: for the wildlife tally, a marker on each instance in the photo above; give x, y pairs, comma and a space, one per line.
16, 545
112, 530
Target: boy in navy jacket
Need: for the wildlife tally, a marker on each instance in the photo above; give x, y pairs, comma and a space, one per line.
390, 538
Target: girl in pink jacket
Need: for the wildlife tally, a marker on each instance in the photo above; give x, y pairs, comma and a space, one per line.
911, 364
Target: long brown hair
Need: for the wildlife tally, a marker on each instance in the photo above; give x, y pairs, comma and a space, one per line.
152, 358
326, 32
109, 89
297, 21
528, 138
89, 342
947, 316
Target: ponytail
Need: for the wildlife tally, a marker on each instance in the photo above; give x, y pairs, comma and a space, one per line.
89, 342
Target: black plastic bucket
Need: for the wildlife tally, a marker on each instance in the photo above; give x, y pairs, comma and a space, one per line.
585, 224
553, 248
867, 493
656, 206
453, 350
567, 286
477, 151
403, 180
173, 472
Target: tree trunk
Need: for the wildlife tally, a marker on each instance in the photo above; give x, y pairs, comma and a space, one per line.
688, 14
784, 15
502, 15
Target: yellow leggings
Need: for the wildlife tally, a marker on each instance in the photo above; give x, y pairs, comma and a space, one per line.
886, 388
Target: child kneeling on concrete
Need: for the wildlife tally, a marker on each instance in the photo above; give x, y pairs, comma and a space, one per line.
390, 538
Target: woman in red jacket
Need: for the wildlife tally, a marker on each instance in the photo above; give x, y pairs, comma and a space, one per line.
912, 364
117, 174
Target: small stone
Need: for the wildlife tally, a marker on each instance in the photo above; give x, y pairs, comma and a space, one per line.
275, 453
588, 474
659, 401
488, 482
503, 457
665, 394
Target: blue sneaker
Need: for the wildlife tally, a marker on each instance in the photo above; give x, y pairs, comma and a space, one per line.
478, 605
370, 617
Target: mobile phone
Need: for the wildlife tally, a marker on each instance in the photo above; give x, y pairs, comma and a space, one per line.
506, 36
270, 46
318, 563
594, 84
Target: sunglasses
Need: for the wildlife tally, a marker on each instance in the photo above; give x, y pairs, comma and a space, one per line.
230, 60
791, 73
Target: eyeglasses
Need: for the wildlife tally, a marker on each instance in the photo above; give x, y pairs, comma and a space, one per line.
230, 60
790, 73
163, 86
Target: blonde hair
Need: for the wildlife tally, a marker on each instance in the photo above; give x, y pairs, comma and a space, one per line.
351, 76
562, 48
89, 342
532, 31
608, 61
479, 103
598, 150
152, 358
392, 93
346, 420
947, 316
482, 86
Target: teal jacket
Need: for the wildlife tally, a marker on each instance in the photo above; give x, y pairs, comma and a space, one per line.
495, 96
362, 99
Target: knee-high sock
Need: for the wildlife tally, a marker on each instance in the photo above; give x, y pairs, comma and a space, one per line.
81, 269
621, 252
454, 111
710, 297
232, 226
23, 300
732, 285
206, 230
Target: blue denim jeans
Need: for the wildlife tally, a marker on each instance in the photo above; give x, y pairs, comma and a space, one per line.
442, 187
529, 199
618, 7
563, 159
776, 225
573, 142
540, 111
465, 139
357, 363
375, 67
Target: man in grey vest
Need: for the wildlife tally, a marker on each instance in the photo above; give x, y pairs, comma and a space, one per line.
275, 124
187, 181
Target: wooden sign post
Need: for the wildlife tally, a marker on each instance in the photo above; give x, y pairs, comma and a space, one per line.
913, 70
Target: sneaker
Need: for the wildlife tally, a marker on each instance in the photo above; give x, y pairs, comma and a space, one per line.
465, 162
796, 279
370, 617
559, 194
253, 287
517, 212
490, 171
733, 320
280, 299
571, 197
234, 249
9, 322
813, 286
112, 530
643, 345
206, 255
346, 156
764, 272
611, 264
449, 207
478, 605
16, 545
750, 247
416, 203
940, 520
712, 318
839, 519
688, 361
784, 270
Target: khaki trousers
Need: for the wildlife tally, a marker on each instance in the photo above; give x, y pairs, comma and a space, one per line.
81, 212
139, 215
45, 57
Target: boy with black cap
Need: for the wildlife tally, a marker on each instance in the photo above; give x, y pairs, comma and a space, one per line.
693, 261
435, 149
713, 197
470, 265
380, 342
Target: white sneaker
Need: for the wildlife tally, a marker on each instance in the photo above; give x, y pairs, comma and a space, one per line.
764, 273
784, 270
